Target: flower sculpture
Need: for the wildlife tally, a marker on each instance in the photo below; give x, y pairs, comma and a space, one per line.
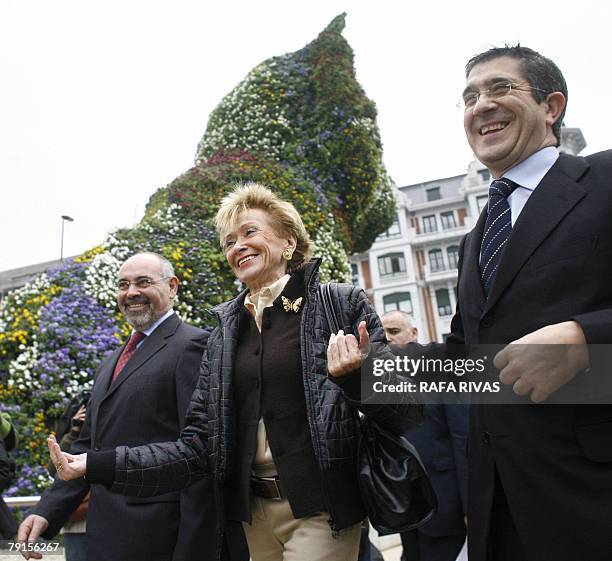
299, 123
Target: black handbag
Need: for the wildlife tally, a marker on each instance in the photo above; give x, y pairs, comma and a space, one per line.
394, 486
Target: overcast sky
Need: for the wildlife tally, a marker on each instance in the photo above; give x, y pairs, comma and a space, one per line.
102, 103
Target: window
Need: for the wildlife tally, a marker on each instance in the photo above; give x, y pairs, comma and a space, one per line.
436, 260
391, 264
453, 256
394, 230
433, 194
430, 224
354, 274
485, 174
397, 301
481, 202
443, 300
448, 220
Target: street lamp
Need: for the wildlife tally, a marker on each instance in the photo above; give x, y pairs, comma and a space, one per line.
64, 219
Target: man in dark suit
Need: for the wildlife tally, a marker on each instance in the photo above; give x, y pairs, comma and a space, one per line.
536, 269
141, 393
441, 442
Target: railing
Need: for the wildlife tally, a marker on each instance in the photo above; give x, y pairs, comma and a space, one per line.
21, 502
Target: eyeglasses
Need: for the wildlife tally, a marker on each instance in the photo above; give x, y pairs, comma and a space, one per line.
495, 91
140, 283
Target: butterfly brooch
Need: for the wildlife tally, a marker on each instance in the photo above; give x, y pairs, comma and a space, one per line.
292, 305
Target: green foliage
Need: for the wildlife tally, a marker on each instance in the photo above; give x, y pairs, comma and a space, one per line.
306, 111
299, 123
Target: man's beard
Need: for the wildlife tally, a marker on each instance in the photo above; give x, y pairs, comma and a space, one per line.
142, 319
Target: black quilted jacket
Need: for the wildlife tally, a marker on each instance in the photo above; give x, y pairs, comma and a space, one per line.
206, 444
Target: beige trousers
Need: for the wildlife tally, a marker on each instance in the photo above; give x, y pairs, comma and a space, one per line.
275, 535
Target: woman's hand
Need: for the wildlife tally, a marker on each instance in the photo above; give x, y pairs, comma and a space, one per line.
68, 466
344, 354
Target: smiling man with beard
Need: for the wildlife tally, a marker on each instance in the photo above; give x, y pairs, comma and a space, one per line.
145, 290
140, 394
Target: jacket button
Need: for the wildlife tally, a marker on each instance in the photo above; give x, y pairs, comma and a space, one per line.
487, 322
256, 383
266, 324
486, 438
257, 350
97, 449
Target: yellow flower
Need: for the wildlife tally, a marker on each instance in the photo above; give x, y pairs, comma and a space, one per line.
89, 254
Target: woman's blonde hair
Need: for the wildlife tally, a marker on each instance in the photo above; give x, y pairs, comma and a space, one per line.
284, 216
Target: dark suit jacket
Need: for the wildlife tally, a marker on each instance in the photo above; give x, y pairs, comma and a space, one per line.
554, 462
441, 440
147, 403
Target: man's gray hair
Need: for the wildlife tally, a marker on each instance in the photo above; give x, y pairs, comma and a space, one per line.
166, 268
406, 315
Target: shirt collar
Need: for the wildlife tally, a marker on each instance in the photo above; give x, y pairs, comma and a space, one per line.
150, 330
530, 172
271, 292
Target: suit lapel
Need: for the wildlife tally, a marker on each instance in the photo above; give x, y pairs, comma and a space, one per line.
555, 196
101, 385
149, 347
471, 259
107, 368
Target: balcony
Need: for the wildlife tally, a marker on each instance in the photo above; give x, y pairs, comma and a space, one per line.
440, 274
400, 277
441, 235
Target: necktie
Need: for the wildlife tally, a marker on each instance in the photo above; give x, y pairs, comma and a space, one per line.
496, 231
127, 353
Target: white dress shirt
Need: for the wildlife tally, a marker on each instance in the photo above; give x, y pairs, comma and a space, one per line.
528, 175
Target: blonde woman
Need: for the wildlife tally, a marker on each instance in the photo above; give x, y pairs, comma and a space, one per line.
274, 417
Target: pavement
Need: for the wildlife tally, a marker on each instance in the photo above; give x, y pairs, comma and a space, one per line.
390, 550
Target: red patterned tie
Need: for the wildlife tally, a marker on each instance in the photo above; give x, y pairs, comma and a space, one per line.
127, 353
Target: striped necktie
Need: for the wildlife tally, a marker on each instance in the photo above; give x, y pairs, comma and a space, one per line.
496, 231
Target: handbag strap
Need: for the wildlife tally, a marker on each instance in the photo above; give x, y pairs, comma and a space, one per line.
328, 307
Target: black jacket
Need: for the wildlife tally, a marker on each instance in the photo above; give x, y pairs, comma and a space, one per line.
206, 446
8, 524
269, 385
146, 403
554, 462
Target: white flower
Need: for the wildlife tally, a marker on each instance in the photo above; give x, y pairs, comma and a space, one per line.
334, 260
101, 278
20, 296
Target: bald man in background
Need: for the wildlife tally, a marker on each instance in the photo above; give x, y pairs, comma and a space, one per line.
399, 327
441, 441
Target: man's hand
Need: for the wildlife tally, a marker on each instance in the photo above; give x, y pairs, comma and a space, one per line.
68, 466
545, 367
344, 354
30, 530
79, 416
